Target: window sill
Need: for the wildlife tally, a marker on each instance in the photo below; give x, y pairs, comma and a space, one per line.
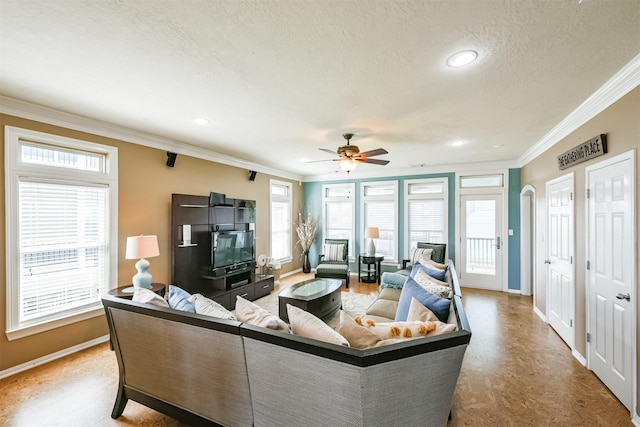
32, 329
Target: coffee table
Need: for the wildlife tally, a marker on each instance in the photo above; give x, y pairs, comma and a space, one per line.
320, 297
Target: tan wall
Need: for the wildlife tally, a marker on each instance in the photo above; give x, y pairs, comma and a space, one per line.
144, 207
621, 123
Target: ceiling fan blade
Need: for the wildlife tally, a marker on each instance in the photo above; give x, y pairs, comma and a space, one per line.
318, 161
376, 152
372, 161
326, 150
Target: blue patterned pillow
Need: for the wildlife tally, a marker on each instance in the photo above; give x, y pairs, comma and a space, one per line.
431, 271
411, 289
179, 299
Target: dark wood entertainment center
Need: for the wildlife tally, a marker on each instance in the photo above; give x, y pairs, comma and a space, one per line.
192, 266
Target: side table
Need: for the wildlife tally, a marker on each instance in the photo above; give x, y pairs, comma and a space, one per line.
128, 290
370, 260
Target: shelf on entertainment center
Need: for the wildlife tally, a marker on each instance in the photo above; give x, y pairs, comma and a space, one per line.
194, 206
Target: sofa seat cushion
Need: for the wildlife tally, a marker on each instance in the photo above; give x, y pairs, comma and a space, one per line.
385, 307
329, 268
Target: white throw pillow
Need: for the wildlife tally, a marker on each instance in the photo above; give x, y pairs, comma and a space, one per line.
432, 285
309, 326
210, 308
147, 296
334, 252
251, 313
418, 254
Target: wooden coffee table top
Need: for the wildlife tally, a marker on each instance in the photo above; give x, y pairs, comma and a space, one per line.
311, 289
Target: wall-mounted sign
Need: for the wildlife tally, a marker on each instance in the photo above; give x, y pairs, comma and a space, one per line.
591, 149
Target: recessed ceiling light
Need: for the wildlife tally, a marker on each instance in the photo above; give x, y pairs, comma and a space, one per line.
201, 121
457, 143
497, 146
463, 58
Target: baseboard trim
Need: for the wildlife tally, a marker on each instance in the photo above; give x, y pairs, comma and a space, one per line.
51, 357
579, 357
540, 314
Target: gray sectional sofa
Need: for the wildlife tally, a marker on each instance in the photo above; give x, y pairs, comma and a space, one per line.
205, 370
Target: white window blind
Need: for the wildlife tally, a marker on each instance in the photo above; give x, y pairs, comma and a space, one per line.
61, 225
425, 212
380, 209
338, 213
63, 247
281, 226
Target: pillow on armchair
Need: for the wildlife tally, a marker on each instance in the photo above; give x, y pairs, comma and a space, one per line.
333, 252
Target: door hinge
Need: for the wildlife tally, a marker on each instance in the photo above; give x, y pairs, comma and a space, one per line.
588, 193
588, 336
571, 260
588, 265
570, 196
571, 323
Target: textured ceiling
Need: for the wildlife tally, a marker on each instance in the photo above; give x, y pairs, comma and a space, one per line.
280, 79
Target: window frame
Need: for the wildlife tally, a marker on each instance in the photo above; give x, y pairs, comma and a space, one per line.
444, 195
364, 199
17, 170
350, 198
286, 199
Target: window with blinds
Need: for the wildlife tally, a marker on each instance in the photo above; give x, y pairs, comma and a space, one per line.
61, 229
426, 202
380, 209
63, 246
339, 213
281, 227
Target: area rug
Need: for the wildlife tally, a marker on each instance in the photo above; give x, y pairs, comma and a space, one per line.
353, 304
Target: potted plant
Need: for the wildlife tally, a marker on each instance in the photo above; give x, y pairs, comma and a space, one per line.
307, 229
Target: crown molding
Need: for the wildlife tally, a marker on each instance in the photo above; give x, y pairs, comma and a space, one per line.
457, 168
623, 82
26, 110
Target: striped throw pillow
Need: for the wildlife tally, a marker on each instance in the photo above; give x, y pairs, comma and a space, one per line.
334, 252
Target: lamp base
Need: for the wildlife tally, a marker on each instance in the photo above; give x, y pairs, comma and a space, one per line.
371, 248
143, 278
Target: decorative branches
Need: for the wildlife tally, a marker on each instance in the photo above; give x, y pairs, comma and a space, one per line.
307, 228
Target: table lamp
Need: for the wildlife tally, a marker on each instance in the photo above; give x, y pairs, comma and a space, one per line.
371, 233
142, 247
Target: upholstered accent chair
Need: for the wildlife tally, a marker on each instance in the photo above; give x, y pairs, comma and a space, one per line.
334, 261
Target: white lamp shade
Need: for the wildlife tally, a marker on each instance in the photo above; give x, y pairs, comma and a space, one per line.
142, 247
372, 233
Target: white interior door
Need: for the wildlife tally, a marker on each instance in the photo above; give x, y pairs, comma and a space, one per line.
560, 271
481, 237
610, 276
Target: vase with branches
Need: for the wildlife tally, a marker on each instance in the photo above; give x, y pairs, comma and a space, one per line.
307, 229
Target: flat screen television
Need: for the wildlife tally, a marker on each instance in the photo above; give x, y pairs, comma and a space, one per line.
229, 248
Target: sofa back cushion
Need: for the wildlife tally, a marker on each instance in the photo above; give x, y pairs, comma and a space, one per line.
411, 289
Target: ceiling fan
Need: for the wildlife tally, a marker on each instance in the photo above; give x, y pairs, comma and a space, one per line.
350, 155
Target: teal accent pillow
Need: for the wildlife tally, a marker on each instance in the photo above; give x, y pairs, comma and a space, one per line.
392, 280
431, 271
179, 299
411, 289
